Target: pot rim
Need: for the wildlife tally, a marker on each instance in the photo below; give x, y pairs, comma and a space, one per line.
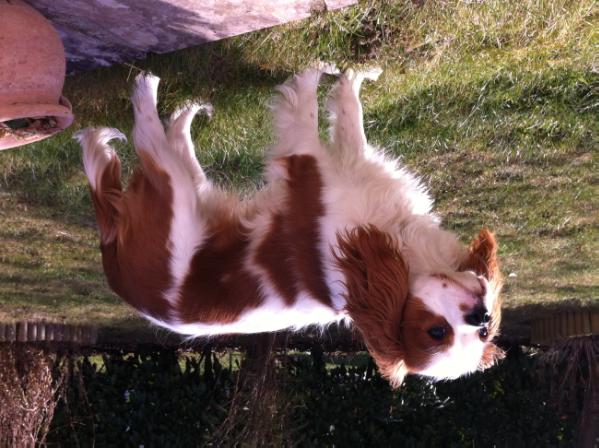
61, 112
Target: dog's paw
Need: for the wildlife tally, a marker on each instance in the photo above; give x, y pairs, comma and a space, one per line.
147, 80
145, 90
193, 106
372, 74
328, 68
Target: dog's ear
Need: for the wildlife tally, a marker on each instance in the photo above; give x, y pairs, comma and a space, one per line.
377, 289
482, 256
482, 259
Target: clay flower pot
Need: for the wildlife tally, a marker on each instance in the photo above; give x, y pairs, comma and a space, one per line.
32, 71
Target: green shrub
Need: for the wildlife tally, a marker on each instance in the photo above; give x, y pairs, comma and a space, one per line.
163, 398
145, 399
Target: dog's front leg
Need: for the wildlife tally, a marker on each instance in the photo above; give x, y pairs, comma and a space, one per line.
347, 126
295, 115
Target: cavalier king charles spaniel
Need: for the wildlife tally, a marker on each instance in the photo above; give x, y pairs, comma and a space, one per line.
340, 231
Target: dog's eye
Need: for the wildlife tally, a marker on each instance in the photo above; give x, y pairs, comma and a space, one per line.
483, 332
437, 333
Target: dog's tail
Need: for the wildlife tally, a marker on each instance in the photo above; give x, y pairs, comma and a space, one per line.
103, 170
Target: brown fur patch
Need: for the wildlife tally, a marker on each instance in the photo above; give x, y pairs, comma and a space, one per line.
218, 288
106, 201
482, 256
274, 254
419, 346
290, 252
135, 227
377, 291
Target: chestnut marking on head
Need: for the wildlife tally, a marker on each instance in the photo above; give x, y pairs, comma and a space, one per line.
439, 327
469, 302
460, 306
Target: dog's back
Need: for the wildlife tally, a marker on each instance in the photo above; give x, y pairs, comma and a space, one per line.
193, 258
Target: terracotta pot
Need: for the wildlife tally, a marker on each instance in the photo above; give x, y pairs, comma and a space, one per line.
32, 71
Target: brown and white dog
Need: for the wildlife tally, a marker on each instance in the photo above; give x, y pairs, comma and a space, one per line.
341, 231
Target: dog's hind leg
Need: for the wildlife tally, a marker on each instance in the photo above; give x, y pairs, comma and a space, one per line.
179, 137
345, 112
172, 154
103, 169
148, 133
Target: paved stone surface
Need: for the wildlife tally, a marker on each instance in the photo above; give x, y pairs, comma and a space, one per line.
104, 32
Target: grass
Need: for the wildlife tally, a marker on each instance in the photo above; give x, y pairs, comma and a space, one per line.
495, 103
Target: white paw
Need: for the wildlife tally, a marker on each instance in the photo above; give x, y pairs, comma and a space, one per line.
329, 68
371, 74
147, 81
145, 91
193, 106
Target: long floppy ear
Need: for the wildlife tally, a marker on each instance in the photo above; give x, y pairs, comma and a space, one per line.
482, 256
482, 259
377, 289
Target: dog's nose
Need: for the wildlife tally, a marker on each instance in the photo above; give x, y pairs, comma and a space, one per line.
478, 316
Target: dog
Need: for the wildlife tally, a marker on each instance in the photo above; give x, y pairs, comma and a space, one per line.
341, 231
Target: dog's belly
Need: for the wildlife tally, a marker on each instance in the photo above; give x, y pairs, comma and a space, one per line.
272, 315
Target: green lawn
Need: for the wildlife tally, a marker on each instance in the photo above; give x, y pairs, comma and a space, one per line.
495, 103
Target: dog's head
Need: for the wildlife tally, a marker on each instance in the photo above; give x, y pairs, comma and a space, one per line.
440, 325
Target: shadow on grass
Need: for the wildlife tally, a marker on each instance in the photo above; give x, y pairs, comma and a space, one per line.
135, 331
49, 173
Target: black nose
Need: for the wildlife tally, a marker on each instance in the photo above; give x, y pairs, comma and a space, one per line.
478, 316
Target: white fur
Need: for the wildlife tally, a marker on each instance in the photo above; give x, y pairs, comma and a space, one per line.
462, 357
468, 290
273, 315
295, 116
97, 153
176, 155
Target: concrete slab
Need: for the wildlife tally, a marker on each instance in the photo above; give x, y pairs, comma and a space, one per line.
104, 32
